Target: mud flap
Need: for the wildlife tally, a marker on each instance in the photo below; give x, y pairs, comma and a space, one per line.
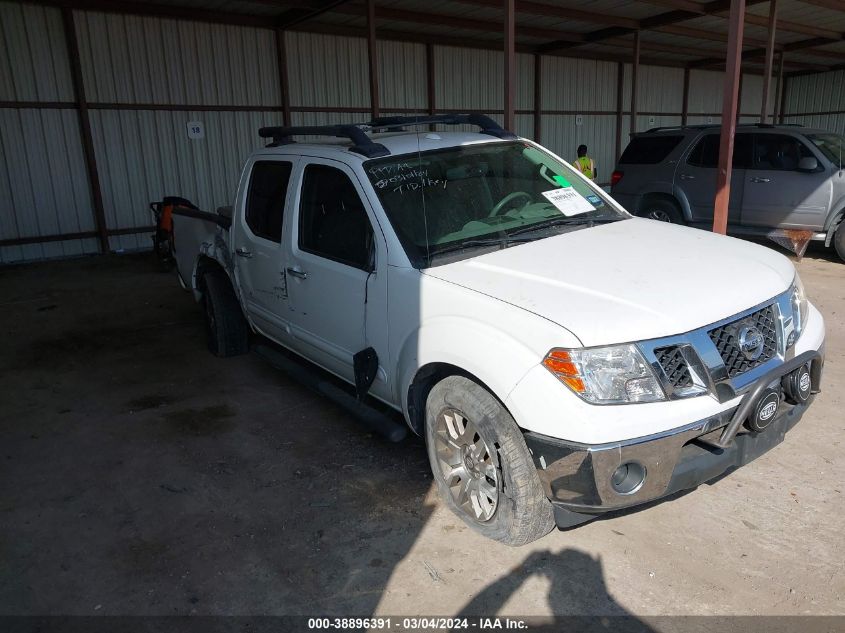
365, 365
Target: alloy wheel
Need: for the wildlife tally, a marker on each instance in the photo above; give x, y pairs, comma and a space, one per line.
659, 214
466, 465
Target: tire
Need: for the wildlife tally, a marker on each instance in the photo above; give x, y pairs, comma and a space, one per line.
661, 210
226, 327
839, 240
498, 460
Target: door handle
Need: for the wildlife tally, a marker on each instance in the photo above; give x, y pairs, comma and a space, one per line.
242, 252
687, 177
758, 179
301, 274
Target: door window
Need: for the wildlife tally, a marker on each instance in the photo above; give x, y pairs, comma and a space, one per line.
706, 152
265, 202
332, 220
779, 152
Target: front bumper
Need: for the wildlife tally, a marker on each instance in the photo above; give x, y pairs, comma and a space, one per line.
577, 478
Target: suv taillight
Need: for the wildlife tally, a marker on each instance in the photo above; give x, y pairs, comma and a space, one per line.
615, 177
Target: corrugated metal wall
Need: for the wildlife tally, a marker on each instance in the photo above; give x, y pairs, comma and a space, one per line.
143, 155
583, 93
146, 78
43, 184
823, 93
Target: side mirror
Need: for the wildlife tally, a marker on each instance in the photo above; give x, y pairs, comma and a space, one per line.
808, 163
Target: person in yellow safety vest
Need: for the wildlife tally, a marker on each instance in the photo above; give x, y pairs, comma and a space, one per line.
585, 164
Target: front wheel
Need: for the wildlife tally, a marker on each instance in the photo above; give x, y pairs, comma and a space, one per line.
839, 240
481, 464
661, 210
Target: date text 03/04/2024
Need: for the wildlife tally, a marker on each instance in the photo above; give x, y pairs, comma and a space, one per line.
417, 623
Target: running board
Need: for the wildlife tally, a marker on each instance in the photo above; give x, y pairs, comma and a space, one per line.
314, 379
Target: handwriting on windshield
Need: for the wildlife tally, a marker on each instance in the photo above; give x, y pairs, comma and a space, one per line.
402, 177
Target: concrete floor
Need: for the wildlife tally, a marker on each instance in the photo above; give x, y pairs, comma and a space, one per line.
141, 475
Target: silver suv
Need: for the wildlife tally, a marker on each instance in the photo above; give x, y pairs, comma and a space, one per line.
785, 177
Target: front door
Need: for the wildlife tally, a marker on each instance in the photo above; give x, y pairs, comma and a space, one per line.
697, 173
257, 245
777, 193
336, 272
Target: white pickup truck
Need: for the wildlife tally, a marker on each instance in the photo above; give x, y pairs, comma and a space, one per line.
560, 357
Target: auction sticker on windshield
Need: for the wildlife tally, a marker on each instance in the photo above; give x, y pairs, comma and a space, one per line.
568, 201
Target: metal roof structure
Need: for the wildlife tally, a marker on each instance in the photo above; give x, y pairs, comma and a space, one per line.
810, 34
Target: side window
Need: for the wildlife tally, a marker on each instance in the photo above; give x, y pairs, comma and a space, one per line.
265, 202
779, 152
706, 151
332, 219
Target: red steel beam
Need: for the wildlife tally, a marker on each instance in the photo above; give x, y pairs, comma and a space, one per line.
770, 52
538, 96
85, 128
284, 88
620, 97
778, 89
510, 63
685, 98
372, 55
729, 114
635, 66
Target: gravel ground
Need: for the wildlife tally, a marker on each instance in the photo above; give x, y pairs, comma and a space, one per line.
140, 475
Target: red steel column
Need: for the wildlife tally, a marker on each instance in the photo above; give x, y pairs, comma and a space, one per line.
429, 76
282, 57
510, 62
85, 128
373, 56
538, 96
770, 54
685, 98
779, 93
635, 66
620, 89
729, 114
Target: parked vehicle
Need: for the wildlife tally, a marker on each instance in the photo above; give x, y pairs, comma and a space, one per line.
784, 177
560, 357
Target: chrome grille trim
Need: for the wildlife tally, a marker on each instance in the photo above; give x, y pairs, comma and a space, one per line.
706, 365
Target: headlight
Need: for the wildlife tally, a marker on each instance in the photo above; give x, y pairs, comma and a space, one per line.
606, 375
800, 307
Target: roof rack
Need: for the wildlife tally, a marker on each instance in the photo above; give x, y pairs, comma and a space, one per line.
487, 125
704, 126
363, 144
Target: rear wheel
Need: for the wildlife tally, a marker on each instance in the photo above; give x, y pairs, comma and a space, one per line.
226, 327
839, 240
661, 210
481, 464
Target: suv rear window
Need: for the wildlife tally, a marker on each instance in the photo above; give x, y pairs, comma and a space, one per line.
648, 150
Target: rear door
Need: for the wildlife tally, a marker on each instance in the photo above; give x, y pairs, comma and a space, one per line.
336, 271
777, 194
697, 173
257, 244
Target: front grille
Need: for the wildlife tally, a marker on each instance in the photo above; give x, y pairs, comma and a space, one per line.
674, 366
726, 340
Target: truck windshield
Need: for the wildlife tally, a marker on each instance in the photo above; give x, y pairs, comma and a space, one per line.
491, 195
831, 145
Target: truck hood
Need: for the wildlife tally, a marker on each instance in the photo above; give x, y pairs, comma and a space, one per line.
627, 281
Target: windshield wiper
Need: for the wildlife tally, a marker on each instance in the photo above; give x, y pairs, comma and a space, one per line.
502, 242
562, 221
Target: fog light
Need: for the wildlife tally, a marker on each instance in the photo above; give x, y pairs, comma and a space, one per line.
798, 385
628, 478
765, 410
